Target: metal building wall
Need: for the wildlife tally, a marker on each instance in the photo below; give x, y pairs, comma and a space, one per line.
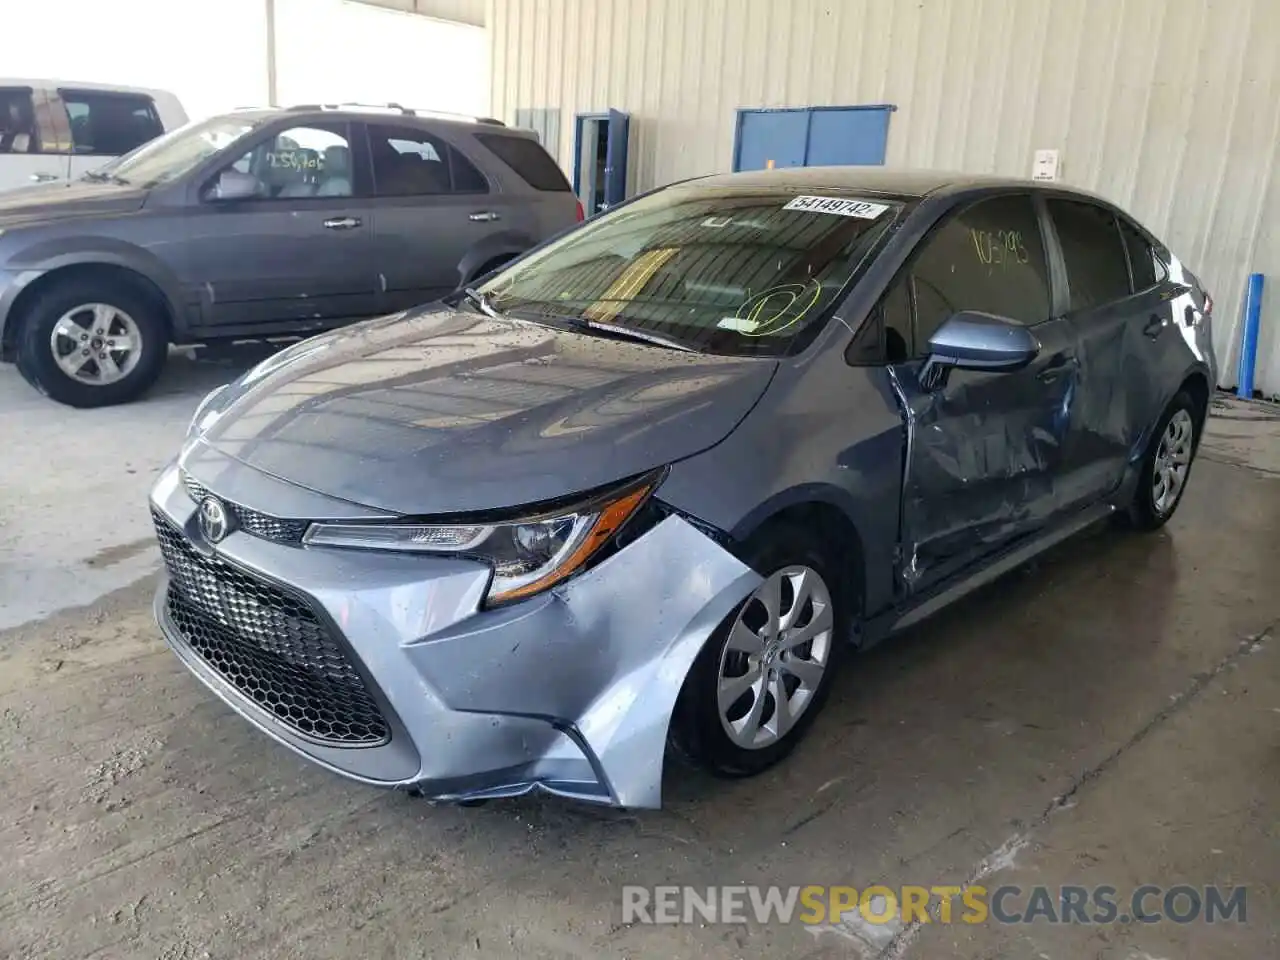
1169, 107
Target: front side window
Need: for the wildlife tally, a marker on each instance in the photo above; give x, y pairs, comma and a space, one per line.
18, 132
988, 258
1097, 273
171, 156
110, 124
737, 270
301, 162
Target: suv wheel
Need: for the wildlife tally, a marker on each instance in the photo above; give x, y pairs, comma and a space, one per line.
92, 344
763, 676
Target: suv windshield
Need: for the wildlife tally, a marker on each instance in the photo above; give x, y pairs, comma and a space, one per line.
170, 156
719, 270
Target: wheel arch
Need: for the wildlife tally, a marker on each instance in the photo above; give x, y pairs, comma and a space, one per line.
824, 513
105, 271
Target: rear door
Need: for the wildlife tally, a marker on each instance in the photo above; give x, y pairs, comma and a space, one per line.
29, 147
299, 254
542, 187
1117, 328
430, 206
984, 460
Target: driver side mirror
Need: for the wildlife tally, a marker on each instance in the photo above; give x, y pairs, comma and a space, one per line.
233, 185
982, 341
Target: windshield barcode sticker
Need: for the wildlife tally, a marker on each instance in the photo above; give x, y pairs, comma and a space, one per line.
862, 209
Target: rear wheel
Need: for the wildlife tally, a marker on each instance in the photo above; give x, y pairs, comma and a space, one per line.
1167, 465
89, 343
762, 678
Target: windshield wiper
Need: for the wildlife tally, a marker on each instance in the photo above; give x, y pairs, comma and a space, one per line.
482, 301
644, 336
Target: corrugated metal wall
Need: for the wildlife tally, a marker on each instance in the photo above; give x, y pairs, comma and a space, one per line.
1169, 107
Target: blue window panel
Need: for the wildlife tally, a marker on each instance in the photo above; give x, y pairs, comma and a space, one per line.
850, 136
777, 135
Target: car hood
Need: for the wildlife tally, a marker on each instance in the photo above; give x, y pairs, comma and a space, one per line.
43, 202
445, 411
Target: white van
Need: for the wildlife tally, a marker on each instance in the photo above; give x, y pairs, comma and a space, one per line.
56, 130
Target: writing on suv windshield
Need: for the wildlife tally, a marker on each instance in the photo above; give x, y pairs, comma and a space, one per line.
737, 271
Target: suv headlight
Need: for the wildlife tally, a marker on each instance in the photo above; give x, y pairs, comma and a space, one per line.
528, 555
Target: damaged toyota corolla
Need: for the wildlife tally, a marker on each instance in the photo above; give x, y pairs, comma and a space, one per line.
642, 489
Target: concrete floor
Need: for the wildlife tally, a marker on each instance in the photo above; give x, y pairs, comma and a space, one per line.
1108, 717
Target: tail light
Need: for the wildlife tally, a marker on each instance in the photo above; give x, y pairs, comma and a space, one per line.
582, 214
1208, 304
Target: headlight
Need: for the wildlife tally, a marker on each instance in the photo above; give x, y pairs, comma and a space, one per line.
528, 555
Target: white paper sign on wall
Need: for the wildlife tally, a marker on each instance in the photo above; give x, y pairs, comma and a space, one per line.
1045, 166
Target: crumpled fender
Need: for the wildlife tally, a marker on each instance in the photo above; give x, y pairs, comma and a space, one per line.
605, 656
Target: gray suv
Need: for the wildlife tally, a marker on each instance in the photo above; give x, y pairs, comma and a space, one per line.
260, 223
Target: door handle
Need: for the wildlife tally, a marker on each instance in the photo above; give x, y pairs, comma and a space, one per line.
484, 216
1155, 323
342, 223
44, 177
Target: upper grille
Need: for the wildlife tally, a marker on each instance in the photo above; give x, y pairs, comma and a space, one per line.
268, 645
251, 521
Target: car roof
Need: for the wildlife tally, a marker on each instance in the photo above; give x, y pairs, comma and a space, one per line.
44, 83
903, 184
384, 114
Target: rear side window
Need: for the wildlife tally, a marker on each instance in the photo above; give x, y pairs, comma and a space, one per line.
1097, 273
988, 258
527, 158
18, 133
408, 162
110, 124
1146, 269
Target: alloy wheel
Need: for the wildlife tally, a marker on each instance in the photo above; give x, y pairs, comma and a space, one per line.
775, 657
1173, 460
96, 343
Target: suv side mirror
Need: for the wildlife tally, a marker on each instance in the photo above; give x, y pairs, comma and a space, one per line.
233, 185
982, 341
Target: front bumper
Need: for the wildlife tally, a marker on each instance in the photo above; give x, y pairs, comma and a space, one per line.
570, 692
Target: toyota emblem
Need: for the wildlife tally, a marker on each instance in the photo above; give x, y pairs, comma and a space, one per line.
215, 523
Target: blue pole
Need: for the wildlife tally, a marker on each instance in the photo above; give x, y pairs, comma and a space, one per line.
1249, 339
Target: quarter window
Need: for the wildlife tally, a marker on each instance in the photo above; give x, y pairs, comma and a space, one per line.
410, 163
1142, 259
988, 258
1091, 247
110, 124
301, 162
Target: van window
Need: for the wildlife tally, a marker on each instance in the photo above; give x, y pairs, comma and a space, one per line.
18, 132
104, 123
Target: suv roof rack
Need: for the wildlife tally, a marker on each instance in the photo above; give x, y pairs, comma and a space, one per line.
395, 108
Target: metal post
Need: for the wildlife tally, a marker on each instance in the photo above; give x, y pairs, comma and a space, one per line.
272, 99
1249, 337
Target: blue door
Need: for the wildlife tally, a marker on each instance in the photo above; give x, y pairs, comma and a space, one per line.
615, 160
811, 137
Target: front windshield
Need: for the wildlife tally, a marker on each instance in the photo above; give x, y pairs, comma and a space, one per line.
718, 269
170, 156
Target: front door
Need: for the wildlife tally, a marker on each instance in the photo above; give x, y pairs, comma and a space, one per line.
984, 456
299, 254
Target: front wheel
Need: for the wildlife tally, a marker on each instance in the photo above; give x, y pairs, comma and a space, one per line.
92, 344
762, 677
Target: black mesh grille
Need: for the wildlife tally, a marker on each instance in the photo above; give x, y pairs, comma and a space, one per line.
269, 646
251, 521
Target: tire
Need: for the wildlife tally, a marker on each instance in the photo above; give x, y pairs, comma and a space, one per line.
699, 730
78, 309
1148, 510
